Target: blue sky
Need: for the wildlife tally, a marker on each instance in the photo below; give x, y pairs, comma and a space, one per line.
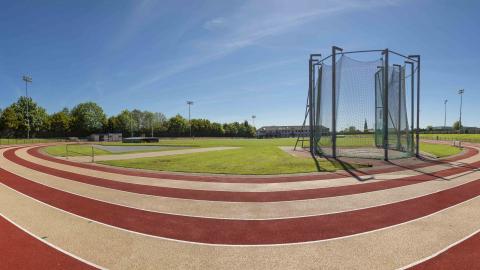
233, 58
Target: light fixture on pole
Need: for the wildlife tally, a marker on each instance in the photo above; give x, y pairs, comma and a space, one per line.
460, 92
189, 103
27, 80
253, 120
445, 117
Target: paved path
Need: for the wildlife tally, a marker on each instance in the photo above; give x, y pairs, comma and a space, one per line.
148, 154
424, 215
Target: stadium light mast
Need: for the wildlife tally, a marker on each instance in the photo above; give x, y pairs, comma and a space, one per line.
27, 80
445, 117
131, 124
460, 92
189, 103
253, 120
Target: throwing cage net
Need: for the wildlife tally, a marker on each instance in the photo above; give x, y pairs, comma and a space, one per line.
362, 108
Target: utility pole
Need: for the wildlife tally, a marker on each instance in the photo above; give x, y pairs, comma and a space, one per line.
131, 124
460, 92
189, 103
445, 117
27, 80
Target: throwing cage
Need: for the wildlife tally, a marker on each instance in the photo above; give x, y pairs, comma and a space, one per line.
363, 107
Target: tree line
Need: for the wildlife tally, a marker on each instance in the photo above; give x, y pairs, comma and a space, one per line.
88, 118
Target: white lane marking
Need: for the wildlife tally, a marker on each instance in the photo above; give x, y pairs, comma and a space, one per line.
231, 218
440, 251
50, 244
237, 245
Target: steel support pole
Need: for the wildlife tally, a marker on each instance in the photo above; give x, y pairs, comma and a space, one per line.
385, 106
412, 104
28, 113
461, 103
399, 104
334, 100
445, 115
417, 132
318, 105
310, 103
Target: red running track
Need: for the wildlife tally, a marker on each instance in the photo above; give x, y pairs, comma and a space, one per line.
235, 179
231, 196
19, 250
465, 255
244, 232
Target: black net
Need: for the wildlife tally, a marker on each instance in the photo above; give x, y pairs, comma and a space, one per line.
360, 106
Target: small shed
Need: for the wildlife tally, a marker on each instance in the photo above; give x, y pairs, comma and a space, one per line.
105, 137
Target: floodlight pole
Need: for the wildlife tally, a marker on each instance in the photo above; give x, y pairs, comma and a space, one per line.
334, 101
27, 80
445, 116
131, 124
385, 106
253, 120
189, 103
460, 92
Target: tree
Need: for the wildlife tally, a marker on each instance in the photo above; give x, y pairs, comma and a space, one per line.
15, 120
456, 125
351, 129
429, 128
365, 126
60, 123
9, 122
88, 118
177, 126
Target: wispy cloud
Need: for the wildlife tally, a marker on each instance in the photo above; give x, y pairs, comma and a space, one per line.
250, 24
215, 23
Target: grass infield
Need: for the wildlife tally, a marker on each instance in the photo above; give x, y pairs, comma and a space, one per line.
256, 156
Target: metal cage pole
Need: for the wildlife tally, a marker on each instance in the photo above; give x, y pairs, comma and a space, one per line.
399, 105
412, 103
417, 132
334, 100
318, 105
310, 103
385, 106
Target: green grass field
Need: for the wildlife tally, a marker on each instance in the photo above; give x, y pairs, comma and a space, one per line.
256, 156
266, 159
452, 137
439, 150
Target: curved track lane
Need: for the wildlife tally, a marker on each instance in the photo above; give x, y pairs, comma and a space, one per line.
245, 232
405, 221
239, 196
20, 250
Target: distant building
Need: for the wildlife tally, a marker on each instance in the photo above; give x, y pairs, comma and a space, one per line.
442, 128
105, 137
286, 131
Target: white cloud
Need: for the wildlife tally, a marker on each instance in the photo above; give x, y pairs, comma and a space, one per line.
253, 22
215, 23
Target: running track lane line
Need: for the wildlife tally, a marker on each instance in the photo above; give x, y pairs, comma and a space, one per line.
21, 250
462, 255
228, 196
245, 232
235, 179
